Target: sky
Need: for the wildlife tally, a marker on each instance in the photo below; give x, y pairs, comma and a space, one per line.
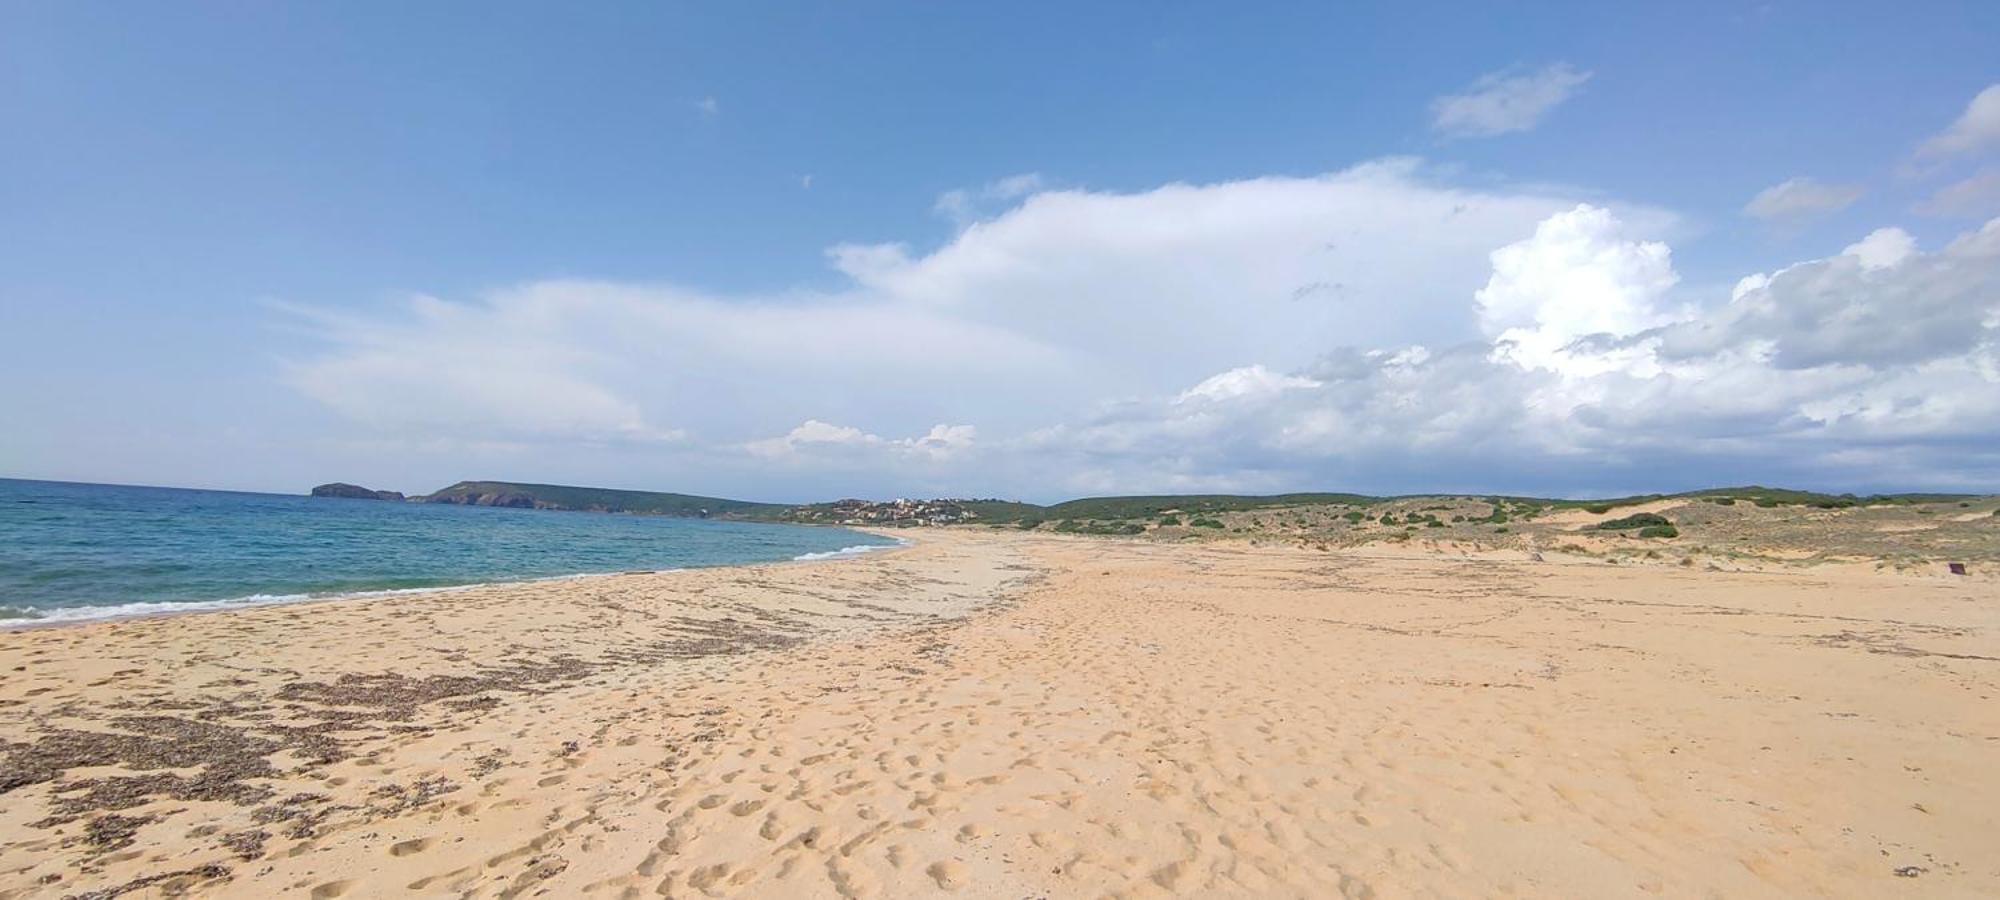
804, 251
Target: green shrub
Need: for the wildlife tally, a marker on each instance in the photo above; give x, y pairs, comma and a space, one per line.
1072, 526
1029, 524
1636, 520
1723, 501
1204, 523
1354, 517
1766, 502
1598, 509
1659, 531
1501, 530
1433, 524
1169, 520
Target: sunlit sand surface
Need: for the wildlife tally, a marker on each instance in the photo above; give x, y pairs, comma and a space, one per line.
1001, 714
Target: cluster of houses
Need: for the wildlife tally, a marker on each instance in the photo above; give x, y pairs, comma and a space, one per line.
894, 513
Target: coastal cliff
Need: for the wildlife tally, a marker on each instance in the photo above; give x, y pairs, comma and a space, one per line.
564, 497
345, 491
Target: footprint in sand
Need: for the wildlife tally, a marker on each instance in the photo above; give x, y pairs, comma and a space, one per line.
412, 846
948, 874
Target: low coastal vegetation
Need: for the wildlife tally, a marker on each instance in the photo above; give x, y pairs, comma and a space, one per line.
1717, 526
1637, 520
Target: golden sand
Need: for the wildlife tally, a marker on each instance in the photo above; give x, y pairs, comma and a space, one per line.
1009, 715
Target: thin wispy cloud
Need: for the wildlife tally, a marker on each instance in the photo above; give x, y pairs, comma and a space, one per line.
1506, 101
966, 204
1798, 199
1977, 196
1975, 131
709, 107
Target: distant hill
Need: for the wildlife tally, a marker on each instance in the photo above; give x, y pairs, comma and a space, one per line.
585, 499
1029, 515
1148, 506
347, 491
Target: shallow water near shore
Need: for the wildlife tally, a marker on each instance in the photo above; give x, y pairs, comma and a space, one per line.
72, 552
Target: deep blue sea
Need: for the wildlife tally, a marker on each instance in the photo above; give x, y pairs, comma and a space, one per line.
84, 551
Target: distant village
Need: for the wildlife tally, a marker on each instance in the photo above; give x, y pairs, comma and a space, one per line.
894, 513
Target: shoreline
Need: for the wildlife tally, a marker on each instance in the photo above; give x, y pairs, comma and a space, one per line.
259, 601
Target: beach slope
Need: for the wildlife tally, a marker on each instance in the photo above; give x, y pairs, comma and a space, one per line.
1002, 714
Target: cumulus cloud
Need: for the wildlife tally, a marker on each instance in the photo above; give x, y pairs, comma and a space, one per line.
1373, 328
1797, 199
1577, 276
1883, 248
1271, 270
1976, 130
1881, 305
1878, 365
1506, 101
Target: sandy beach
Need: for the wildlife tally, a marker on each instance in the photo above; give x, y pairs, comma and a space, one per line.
998, 714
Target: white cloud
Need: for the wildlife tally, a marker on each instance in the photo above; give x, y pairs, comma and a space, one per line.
1796, 199
1976, 196
590, 360
964, 205
1372, 328
1882, 305
1883, 248
1207, 277
822, 442
1833, 368
1506, 101
1577, 276
1976, 130
1248, 381
400, 381
709, 107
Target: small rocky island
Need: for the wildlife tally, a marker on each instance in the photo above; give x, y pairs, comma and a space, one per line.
346, 491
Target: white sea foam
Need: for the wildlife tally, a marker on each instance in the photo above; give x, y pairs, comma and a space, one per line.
68, 614
848, 552
16, 617
19, 617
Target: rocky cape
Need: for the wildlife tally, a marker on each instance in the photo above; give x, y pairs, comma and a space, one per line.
347, 491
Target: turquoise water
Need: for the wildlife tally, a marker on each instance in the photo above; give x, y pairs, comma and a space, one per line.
83, 551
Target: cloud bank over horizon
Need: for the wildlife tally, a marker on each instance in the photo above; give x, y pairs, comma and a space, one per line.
1376, 328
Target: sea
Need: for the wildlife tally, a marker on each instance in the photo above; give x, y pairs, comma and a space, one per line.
73, 552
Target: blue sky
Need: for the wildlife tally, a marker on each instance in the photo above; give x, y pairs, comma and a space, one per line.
211, 216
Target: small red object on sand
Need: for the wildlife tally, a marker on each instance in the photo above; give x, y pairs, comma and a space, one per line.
1956, 568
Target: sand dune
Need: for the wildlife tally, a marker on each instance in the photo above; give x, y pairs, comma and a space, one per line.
993, 714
